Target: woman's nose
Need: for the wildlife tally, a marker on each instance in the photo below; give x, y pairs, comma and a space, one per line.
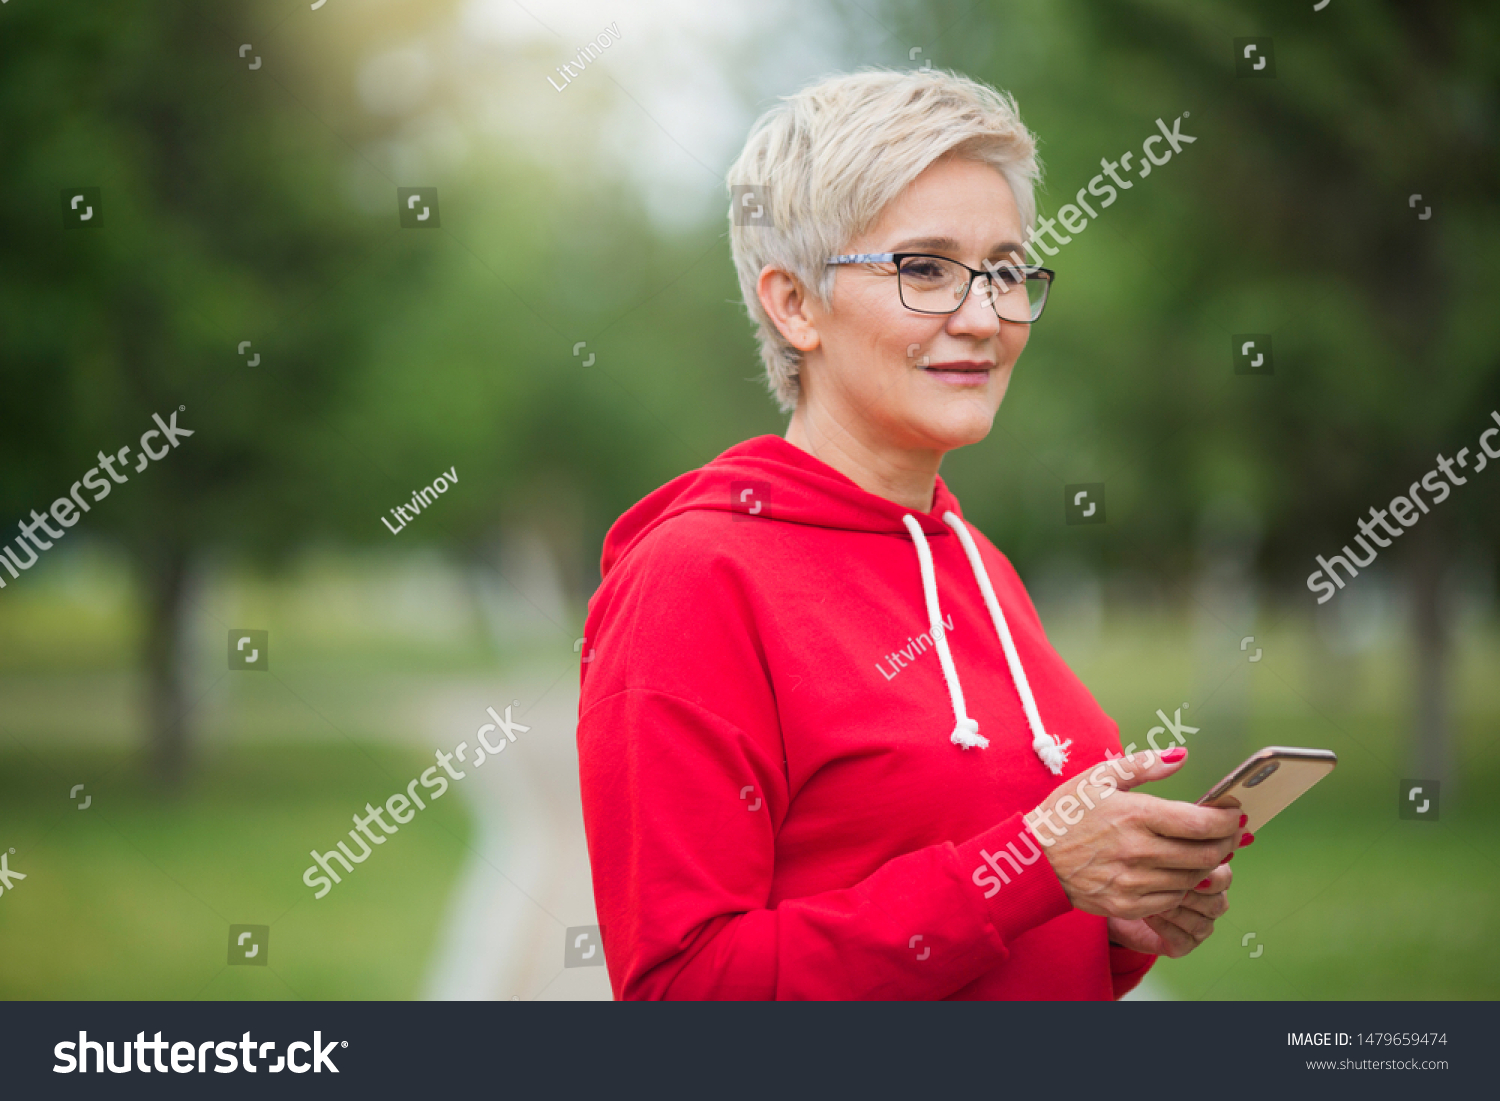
977, 315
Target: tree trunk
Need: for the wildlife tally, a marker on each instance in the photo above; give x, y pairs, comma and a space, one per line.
164, 576
1431, 641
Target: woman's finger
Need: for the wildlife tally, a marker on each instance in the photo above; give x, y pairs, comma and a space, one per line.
1175, 853
1216, 882
1210, 906
1190, 922
1178, 942
1163, 879
1208, 903
1145, 905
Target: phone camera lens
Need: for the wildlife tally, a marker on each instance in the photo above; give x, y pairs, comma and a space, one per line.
1262, 774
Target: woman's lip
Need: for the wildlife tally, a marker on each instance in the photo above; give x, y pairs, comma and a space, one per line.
955, 374
960, 365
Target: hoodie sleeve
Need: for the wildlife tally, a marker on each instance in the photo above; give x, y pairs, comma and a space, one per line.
1127, 968
682, 864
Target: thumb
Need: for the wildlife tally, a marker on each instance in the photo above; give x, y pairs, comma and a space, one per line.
1135, 769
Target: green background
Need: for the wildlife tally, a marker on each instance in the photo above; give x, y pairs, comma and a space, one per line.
260, 204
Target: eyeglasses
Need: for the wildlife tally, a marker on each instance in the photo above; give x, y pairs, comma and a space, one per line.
939, 285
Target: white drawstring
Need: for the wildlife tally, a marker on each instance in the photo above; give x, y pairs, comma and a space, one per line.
1053, 754
966, 733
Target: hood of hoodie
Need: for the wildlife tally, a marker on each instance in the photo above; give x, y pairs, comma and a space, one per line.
768, 477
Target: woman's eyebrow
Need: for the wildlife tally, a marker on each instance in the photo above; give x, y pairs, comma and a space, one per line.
944, 244
948, 244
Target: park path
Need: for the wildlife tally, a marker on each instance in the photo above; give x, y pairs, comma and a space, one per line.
526, 880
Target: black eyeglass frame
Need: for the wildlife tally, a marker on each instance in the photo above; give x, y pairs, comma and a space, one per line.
1028, 270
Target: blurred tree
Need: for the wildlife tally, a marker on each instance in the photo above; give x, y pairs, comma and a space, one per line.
1297, 220
212, 234
234, 208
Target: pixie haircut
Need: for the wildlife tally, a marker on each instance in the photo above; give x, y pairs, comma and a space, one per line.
826, 161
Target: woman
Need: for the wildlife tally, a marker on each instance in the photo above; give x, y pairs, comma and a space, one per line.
824, 742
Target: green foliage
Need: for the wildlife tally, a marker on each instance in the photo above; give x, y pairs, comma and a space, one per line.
1288, 216
390, 355
133, 897
207, 239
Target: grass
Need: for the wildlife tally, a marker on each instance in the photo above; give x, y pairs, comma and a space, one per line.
1354, 907
133, 897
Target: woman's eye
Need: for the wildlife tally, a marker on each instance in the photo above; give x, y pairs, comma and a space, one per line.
924, 269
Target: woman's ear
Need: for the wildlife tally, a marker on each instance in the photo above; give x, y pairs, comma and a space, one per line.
783, 298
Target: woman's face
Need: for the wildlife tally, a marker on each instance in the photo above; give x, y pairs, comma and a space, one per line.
915, 381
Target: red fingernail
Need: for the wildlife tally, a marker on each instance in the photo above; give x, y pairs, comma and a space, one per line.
1173, 755
1201, 885
1243, 819
1246, 839
1227, 859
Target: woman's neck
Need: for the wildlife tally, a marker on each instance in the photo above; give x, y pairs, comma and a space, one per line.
908, 478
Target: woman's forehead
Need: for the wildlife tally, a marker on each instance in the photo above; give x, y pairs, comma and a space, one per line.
953, 204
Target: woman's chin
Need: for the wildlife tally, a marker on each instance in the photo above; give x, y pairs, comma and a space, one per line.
957, 423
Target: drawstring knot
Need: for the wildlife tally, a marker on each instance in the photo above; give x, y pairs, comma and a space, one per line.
1053, 755
966, 734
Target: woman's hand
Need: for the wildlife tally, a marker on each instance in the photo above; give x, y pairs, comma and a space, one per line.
1129, 856
1179, 930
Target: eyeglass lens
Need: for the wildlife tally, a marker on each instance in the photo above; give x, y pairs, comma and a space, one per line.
931, 284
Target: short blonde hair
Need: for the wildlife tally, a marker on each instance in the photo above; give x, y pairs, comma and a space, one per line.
826, 161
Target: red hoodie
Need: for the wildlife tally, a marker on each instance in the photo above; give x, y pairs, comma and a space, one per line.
776, 801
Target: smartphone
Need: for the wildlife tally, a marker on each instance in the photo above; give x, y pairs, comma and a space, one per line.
1268, 783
